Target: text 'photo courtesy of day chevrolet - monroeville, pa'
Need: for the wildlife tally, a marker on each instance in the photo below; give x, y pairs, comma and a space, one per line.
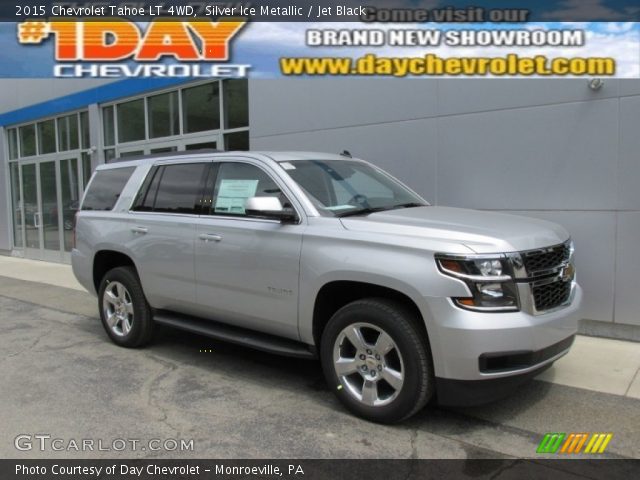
319, 239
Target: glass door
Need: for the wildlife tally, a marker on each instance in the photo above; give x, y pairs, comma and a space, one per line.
16, 206
49, 211
30, 211
71, 186
51, 197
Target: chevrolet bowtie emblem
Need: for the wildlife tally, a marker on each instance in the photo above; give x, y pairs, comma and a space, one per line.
568, 273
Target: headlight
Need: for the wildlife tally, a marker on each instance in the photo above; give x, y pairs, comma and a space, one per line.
489, 267
489, 280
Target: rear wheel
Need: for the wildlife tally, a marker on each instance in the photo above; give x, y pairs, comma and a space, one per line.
377, 360
124, 311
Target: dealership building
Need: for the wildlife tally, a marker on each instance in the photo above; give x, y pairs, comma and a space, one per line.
562, 150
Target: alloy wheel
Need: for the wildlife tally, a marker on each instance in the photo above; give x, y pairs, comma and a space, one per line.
368, 364
118, 308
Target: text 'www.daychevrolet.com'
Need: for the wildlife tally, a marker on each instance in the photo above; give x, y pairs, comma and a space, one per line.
434, 65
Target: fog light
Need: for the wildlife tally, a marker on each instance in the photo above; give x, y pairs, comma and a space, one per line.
493, 290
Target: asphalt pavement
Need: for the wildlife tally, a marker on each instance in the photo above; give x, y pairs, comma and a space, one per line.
62, 377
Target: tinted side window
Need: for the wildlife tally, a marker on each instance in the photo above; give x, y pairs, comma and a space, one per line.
180, 188
106, 187
236, 182
147, 194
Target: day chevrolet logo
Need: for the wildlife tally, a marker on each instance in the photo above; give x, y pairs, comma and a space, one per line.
573, 443
33, 32
119, 39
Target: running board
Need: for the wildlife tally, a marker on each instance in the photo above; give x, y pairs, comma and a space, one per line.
240, 336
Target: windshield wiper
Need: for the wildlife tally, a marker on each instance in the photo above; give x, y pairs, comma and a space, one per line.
362, 211
368, 210
409, 205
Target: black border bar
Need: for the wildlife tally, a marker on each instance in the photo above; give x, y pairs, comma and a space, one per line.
366, 469
334, 10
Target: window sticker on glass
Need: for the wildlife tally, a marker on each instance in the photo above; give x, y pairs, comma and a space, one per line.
287, 166
232, 195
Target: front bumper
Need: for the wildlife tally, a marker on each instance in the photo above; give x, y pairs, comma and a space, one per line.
467, 393
477, 346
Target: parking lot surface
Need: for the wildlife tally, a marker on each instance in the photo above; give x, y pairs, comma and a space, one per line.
61, 376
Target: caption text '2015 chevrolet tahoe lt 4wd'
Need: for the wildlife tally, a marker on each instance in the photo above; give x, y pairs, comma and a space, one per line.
308, 254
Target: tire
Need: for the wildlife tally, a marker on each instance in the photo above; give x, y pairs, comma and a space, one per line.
382, 336
124, 311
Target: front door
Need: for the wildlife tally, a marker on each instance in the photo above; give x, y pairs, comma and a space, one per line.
247, 269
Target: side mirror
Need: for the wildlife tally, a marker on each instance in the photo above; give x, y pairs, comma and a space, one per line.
269, 208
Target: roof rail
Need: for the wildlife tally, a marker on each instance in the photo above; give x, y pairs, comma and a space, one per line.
165, 154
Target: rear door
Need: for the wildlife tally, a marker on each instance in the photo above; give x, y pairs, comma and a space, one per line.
247, 268
162, 231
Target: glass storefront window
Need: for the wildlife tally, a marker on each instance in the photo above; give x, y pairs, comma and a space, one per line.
30, 205
109, 154
202, 146
12, 135
16, 205
133, 153
164, 119
42, 216
131, 121
236, 103
70, 199
27, 140
68, 133
236, 141
84, 130
201, 108
163, 150
47, 137
86, 169
108, 126
49, 206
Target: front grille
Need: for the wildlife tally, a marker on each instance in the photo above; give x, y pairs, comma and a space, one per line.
536, 261
551, 295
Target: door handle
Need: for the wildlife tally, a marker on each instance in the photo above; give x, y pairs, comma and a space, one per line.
210, 237
36, 220
140, 230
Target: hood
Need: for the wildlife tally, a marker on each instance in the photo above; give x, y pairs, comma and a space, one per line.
482, 232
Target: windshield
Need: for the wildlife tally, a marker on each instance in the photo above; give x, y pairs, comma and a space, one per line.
343, 188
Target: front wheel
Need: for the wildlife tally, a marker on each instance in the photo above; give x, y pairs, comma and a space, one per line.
377, 360
124, 311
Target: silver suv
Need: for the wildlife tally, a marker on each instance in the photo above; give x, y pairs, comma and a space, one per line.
319, 255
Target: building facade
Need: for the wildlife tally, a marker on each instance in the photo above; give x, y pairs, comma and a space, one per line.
552, 149
52, 146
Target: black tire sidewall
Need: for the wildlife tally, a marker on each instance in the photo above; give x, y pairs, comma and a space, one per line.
413, 346
142, 321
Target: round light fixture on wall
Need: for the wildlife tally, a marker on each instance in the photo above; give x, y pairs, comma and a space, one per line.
596, 83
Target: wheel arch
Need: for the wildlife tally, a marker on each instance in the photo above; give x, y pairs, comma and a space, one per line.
336, 294
107, 259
